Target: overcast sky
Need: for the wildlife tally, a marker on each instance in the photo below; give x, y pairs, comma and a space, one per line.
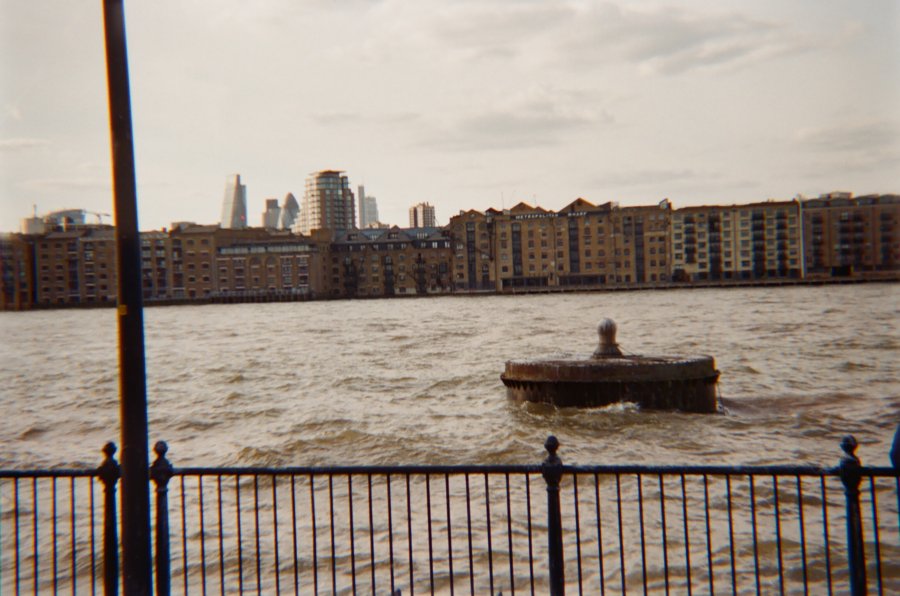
464, 104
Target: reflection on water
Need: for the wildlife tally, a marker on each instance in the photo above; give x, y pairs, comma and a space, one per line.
417, 381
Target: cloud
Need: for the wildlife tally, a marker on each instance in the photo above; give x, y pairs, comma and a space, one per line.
537, 117
66, 184
353, 118
646, 177
22, 144
864, 137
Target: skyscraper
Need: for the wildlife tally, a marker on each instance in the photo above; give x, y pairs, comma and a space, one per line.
271, 215
328, 203
290, 209
422, 216
234, 205
368, 208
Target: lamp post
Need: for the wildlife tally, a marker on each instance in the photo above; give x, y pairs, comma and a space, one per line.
135, 511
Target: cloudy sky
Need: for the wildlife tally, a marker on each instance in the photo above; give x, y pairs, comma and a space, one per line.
464, 104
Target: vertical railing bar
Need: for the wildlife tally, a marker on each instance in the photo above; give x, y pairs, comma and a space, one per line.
449, 531
827, 544
598, 512
621, 532
687, 540
801, 522
530, 545
709, 558
202, 535
256, 531
352, 539
409, 536
390, 508
509, 535
16, 521
577, 532
184, 532
90, 482
428, 518
875, 533
640, 482
237, 509
1, 533
275, 532
731, 535
487, 511
331, 532
469, 529
315, 549
221, 535
665, 542
35, 532
74, 535
54, 534
294, 533
753, 526
778, 534
371, 533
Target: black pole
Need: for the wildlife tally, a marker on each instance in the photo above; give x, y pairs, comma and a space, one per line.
551, 470
851, 476
135, 516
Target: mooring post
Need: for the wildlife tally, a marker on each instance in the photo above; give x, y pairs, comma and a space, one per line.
109, 476
161, 472
551, 470
851, 476
136, 551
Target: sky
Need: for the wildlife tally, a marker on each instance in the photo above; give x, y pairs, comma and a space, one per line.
463, 104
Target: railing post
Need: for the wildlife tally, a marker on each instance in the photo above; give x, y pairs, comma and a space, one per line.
161, 472
551, 470
109, 476
849, 471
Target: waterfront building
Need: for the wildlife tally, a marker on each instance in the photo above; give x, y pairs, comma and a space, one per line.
845, 236
391, 262
290, 209
580, 245
328, 203
422, 216
740, 242
368, 209
234, 205
156, 265
257, 263
16, 272
271, 217
76, 266
193, 247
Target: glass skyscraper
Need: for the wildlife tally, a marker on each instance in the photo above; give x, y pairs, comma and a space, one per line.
234, 205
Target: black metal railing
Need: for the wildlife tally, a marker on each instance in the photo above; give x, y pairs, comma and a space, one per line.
542, 528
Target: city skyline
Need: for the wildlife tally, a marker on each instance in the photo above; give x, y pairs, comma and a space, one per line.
472, 105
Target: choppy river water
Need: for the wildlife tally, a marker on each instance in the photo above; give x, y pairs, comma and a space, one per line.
417, 380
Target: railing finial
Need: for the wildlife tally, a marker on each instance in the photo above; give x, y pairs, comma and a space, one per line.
849, 445
552, 446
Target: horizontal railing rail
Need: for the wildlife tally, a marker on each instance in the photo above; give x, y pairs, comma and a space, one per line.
474, 529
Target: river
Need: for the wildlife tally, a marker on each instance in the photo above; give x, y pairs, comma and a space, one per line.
417, 380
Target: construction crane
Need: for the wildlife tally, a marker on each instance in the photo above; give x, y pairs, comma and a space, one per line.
99, 216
